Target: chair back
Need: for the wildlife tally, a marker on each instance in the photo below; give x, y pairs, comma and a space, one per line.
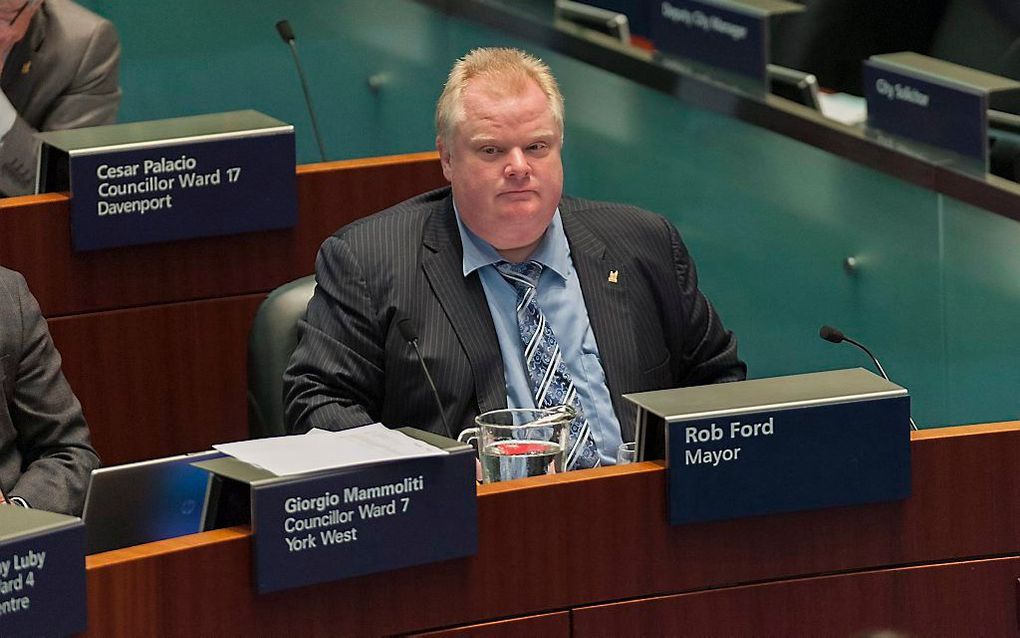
274, 335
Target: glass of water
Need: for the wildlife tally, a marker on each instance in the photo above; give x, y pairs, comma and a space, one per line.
627, 453
518, 443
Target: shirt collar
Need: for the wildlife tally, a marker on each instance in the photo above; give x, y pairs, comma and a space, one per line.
552, 252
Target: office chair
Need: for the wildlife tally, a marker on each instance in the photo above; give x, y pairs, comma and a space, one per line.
272, 340
982, 35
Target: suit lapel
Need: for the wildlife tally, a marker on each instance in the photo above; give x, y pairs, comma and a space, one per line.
603, 279
463, 301
16, 77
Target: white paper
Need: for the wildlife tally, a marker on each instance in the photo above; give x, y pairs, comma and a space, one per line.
843, 107
324, 450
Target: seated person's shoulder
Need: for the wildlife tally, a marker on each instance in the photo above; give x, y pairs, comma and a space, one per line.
614, 222
390, 239
81, 48
397, 224
11, 283
74, 19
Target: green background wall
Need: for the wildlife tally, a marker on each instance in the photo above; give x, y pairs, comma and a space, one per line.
769, 220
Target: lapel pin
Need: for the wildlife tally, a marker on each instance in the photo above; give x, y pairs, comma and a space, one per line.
26, 67
614, 276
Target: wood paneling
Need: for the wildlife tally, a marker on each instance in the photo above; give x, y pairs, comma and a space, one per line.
572, 540
556, 625
154, 338
160, 380
35, 239
973, 598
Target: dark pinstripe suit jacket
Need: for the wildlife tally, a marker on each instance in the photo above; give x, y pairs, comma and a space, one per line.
653, 326
45, 454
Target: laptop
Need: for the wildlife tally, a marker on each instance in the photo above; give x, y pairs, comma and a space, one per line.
146, 501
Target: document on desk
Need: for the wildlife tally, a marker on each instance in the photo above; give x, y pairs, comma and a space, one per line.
323, 450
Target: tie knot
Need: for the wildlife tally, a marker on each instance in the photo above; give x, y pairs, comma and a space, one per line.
521, 276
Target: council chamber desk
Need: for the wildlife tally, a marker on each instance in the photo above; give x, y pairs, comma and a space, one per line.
590, 553
153, 338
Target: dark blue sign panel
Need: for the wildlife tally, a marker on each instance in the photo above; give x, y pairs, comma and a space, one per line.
42, 584
789, 460
951, 118
195, 189
364, 520
719, 37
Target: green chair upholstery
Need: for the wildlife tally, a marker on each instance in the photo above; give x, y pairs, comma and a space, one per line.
272, 340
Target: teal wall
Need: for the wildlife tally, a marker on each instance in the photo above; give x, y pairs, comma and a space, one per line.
769, 220
188, 57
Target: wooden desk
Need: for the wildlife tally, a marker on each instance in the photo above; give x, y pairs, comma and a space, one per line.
154, 338
590, 553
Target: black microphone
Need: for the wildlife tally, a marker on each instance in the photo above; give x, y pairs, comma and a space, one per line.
410, 335
287, 35
835, 335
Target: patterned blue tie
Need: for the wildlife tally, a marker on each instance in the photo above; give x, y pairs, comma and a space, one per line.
551, 384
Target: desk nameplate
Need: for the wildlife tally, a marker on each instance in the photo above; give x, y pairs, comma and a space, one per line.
42, 573
202, 176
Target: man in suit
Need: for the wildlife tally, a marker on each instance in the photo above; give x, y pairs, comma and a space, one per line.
59, 71
45, 454
519, 295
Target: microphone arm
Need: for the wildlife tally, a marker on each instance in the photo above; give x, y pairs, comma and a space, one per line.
287, 35
407, 331
878, 364
835, 335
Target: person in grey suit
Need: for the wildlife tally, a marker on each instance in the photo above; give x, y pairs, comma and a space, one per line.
59, 71
45, 455
616, 293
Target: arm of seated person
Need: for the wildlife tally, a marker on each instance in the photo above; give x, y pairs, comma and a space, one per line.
335, 379
52, 443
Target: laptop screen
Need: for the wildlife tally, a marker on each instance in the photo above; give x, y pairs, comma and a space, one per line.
146, 501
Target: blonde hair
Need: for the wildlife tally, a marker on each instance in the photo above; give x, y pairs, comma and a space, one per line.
513, 67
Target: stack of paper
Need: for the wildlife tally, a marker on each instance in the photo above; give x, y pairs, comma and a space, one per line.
323, 450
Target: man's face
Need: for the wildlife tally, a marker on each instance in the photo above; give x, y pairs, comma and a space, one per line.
503, 162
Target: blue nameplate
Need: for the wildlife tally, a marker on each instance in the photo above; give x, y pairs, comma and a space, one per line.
168, 180
42, 573
954, 118
324, 527
195, 189
788, 460
728, 38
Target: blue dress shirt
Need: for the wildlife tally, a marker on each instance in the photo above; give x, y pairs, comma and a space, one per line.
559, 296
